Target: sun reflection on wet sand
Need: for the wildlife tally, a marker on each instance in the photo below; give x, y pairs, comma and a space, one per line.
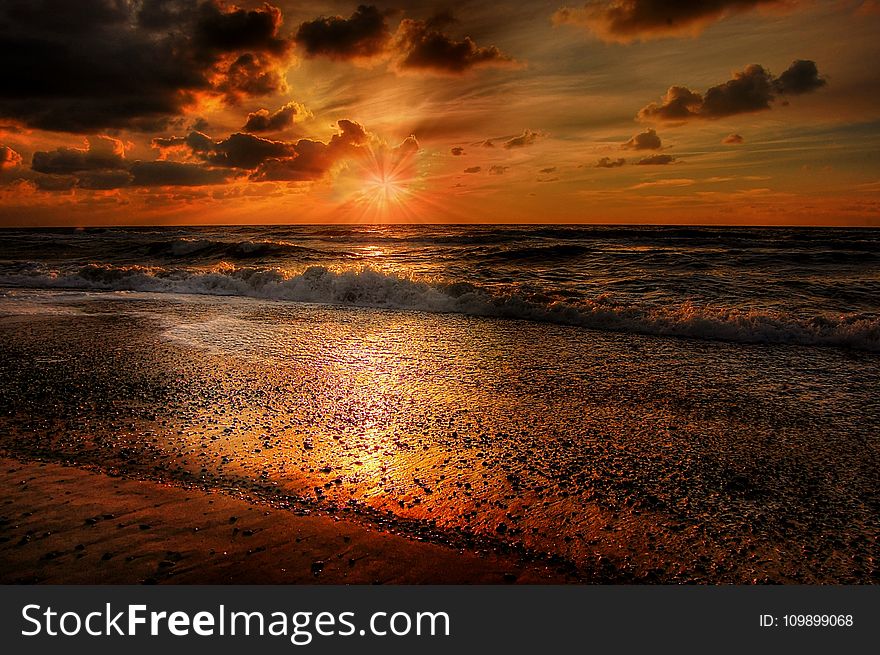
655, 457
558, 440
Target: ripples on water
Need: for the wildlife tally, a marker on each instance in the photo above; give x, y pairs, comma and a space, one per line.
812, 286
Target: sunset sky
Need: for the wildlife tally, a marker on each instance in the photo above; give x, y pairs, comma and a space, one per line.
201, 111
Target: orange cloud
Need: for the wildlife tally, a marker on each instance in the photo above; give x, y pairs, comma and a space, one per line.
263, 120
310, 160
9, 159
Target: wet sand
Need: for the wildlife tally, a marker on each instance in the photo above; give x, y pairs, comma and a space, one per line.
586, 456
65, 525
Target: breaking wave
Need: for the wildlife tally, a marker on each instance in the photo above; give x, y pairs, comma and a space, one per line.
370, 288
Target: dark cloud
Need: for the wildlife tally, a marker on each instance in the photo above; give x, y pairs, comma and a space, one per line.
164, 14
679, 104
801, 77
239, 150
422, 46
264, 121
71, 17
103, 180
93, 65
656, 160
271, 160
246, 151
250, 75
365, 34
732, 140
498, 170
9, 158
55, 182
527, 138
629, 20
752, 89
102, 153
195, 141
223, 28
457, 151
473, 169
647, 140
200, 125
607, 162
102, 165
173, 173
311, 160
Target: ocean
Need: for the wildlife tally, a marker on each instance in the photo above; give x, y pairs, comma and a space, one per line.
668, 404
809, 286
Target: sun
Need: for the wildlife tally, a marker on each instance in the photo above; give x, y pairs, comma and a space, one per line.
385, 189
389, 185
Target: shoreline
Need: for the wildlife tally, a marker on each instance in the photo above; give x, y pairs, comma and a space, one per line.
67, 525
630, 479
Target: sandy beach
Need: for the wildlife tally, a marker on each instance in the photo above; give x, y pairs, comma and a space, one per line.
66, 525
183, 413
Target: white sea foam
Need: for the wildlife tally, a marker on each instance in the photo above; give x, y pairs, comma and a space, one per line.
371, 288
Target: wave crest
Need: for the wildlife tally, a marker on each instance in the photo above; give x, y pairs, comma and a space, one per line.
366, 287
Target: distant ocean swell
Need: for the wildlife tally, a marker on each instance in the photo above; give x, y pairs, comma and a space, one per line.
365, 287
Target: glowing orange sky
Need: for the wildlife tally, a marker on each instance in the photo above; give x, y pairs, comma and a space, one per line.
469, 112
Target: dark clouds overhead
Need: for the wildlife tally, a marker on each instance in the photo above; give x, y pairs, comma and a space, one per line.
223, 29
732, 140
105, 64
750, 90
365, 34
630, 20
607, 162
415, 45
423, 46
